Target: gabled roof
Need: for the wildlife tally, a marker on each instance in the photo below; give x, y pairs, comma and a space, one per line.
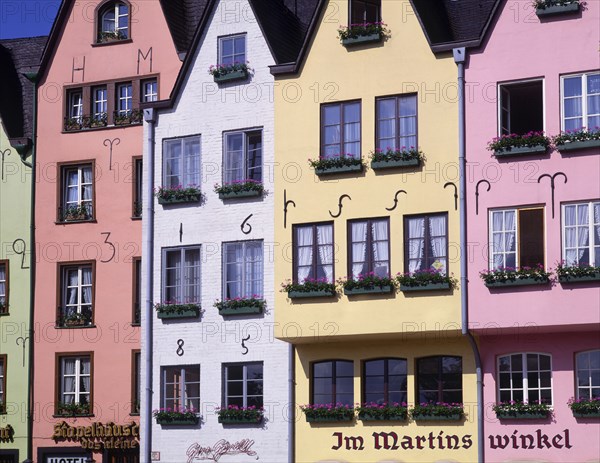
446, 23
18, 57
284, 24
182, 17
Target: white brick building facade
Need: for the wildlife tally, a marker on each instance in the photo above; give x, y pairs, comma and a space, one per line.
207, 109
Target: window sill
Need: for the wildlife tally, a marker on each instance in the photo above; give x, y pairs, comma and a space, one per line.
72, 222
524, 150
369, 417
136, 218
106, 127
427, 287
178, 422
240, 194
374, 290
338, 170
310, 294
578, 279
136, 325
522, 416
578, 145
593, 415
247, 421
519, 282
4, 314
74, 327
249, 310
361, 40
191, 313
188, 199
557, 9
134, 414
381, 165
112, 42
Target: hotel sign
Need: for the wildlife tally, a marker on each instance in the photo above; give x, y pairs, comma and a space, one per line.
99, 436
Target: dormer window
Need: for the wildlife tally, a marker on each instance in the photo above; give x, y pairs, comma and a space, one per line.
113, 22
232, 50
365, 11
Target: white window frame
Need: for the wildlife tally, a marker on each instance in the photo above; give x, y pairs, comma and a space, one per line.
127, 100
182, 284
80, 184
115, 9
225, 38
584, 98
591, 224
149, 90
184, 175
101, 101
78, 376
76, 105
182, 395
244, 381
589, 370
79, 306
525, 373
245, 134
5, 283
246, 263
500, 100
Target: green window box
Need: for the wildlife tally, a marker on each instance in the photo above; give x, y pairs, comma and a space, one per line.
363, 39
232, 76
523, 150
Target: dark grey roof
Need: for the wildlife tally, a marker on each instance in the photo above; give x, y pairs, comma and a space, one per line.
183, 17
17, 58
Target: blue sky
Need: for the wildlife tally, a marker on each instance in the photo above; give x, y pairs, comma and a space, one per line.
26, 18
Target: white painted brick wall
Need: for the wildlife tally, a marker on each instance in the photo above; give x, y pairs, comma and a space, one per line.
207, 109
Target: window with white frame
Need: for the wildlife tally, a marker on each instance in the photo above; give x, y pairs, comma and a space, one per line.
75, 380
340, 129
100, 102
313, 252
581, 102
181, 275
521, 107
397, 122
243, 269
588, 374
517, 238
77, 199
149, 90
525, 377
114, 21
243, 385
4, 286
426, 243
243, 157
581, 233
232, 49
2, 383
181, 162
181, 387
77, 294
75, 109
124, 98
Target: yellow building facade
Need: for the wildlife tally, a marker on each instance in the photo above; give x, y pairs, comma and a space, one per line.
353, 82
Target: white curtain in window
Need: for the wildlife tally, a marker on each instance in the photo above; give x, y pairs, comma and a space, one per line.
416, 234
2, 283
86, 291
583, 232
510, 227
437, 229
304, 237
325, 241
597, 223
68, 381
72, 193
235, 266
570, 235
380, 247
84, 385
72, 282
191, 162
173, 277
254, 272
192, 275
359, 247
87, 178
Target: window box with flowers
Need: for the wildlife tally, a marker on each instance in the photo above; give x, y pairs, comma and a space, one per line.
240, 415
309, 288
337, 164
521, 411
77, 319
229, 72
572, 140
425, 280
437, 411
391, 158
327, 413
240, 189
241, 306
172, 309
382, 412
577, 273
368, 283
111, 36
178, 194
128, 117
176, 417
73, 124
79, 213
585, 408
507, 276
514, 144
362, 33
554, 7
73, 409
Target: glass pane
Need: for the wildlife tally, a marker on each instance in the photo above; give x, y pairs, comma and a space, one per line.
254, 371
344, 368
544, 362
323, 370
374, 383
344, 385
397, 367
235, 372
351, 113
593, 84
331, 114
572, 86
374, 367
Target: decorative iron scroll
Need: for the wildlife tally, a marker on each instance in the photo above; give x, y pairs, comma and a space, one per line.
4, 153
286, 203
552, 184
395, 200
455, 194
477, 193
340, 206
246, 224
107, 142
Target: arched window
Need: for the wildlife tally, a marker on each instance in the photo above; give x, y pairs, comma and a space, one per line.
525, 377
384, 381
113, 22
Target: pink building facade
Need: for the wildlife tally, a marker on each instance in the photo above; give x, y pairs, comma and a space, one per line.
103, 59
531, 206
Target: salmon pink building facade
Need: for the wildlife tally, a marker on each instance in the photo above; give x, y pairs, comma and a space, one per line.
103, 59
532, 125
